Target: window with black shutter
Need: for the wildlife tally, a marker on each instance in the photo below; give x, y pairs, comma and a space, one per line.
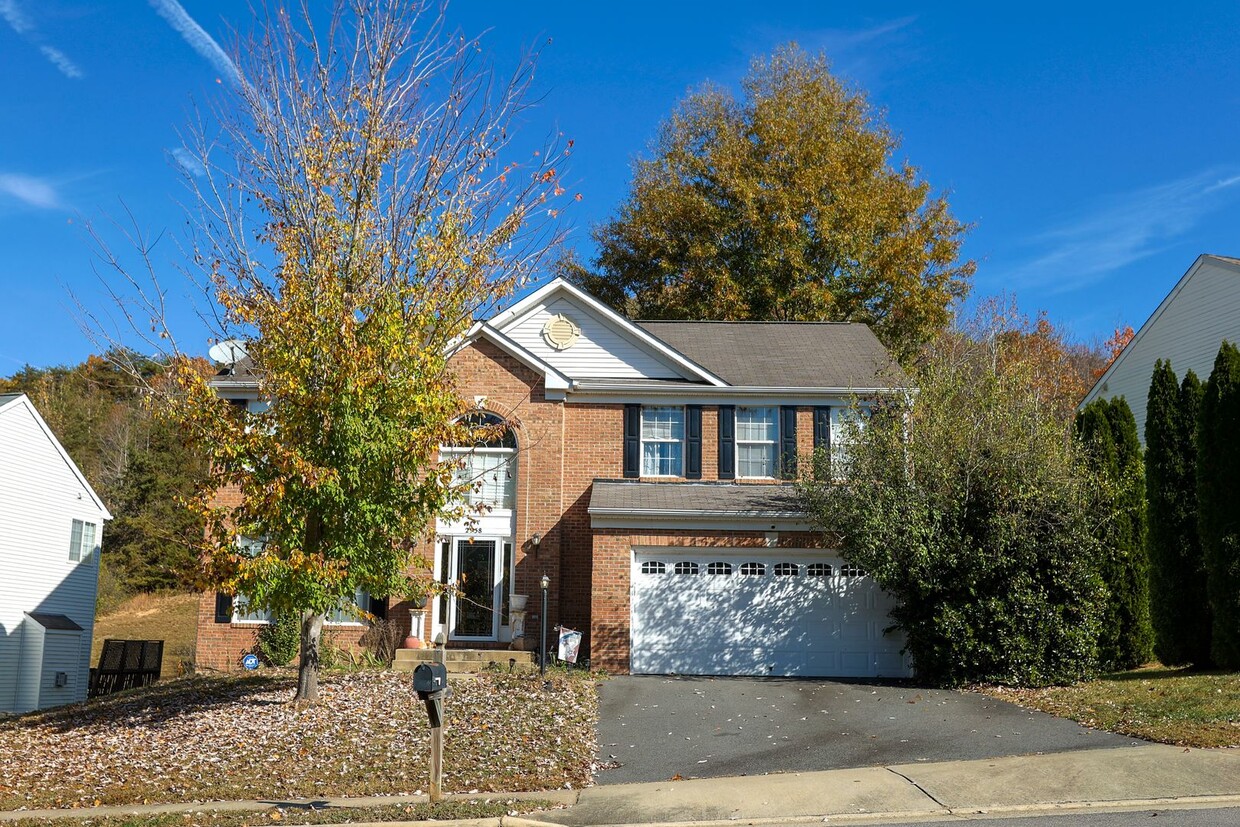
632, 441
822, 429
693, 442
727, 442
788, 442
223, 607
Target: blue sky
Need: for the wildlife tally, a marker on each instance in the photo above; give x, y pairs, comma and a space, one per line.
1093, 146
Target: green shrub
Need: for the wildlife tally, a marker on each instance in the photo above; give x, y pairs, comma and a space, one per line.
279, 642
1179, 605
1107, 431
969, 506
1218, 496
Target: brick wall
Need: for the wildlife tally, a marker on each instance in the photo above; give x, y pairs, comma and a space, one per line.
562, 449
609, 626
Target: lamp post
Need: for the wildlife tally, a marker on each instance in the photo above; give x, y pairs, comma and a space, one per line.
542, 650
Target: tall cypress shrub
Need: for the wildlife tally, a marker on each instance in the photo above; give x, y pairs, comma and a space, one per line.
1179, 607
1218, 502
1108, 432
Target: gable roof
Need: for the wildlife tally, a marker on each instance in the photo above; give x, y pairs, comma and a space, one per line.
1227, 262
12, 400
785, 354
559, 286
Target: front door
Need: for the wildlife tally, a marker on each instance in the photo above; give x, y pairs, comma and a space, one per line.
477, 571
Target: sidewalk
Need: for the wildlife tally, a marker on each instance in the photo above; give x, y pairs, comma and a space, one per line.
1133, 775
1155, 775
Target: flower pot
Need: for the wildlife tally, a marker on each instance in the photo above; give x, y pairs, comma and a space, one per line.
519, 601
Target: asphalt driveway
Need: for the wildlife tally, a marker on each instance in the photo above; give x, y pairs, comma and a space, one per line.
655, 728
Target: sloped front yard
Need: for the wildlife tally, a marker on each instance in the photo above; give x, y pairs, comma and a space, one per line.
219, 738
1172, 706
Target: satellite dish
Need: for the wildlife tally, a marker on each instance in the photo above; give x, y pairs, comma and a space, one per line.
228, 352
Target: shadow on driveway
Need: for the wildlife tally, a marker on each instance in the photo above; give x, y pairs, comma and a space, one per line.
655, 728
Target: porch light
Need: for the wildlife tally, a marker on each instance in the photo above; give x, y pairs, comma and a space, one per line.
536, 541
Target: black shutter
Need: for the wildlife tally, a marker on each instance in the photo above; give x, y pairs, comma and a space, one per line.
822, 429
693, 442
727, 442
632, 441
223, 607
788, 442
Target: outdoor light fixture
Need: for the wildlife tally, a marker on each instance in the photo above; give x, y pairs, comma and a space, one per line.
542, 649
536, 541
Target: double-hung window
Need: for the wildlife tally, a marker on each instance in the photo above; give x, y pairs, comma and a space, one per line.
81, 541
757, 438
663, 441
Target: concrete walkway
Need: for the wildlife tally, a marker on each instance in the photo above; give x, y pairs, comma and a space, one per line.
1154, 775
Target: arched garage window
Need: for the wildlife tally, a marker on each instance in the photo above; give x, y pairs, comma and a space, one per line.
488, 466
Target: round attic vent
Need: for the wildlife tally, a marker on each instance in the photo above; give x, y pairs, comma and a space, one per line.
561, 332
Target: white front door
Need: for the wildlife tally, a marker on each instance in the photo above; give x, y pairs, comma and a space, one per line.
759, 612
476, 572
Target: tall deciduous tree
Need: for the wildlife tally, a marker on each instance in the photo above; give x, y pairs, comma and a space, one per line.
786, 205
1218, 493
1179, 605
1108, 432
967, 504
354, 218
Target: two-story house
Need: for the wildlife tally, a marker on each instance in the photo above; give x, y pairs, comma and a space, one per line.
645, 473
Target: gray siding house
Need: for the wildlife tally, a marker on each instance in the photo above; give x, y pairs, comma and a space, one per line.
51, 524
1188, 326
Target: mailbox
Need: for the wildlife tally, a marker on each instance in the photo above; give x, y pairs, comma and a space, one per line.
430, 679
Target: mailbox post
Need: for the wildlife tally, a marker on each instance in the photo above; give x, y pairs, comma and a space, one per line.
430, 681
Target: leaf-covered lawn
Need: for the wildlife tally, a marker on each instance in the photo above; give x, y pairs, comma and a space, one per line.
220, 738
206, 817
1172, 706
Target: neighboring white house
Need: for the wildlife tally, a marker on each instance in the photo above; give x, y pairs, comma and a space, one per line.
51, 523
1187, 328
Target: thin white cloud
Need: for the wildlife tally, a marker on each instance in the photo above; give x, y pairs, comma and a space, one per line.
15, 17
865, 56
31, 191
197, 38
186, 161
1122, 229
58, 58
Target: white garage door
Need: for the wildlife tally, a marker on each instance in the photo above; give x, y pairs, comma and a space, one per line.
759, 612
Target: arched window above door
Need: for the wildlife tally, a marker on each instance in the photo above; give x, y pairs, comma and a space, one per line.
488, 464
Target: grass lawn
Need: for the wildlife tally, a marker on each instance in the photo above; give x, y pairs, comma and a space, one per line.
221, 738
172, 618
477, 808
1173, 706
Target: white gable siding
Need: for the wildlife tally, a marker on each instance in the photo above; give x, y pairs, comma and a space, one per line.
1188, 331
602, 352
40, 496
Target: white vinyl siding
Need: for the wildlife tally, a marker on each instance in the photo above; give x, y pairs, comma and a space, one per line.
663, 441
40, 497
602, 352
1186, 329
757, 438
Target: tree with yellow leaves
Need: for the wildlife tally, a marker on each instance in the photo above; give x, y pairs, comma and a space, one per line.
351, 220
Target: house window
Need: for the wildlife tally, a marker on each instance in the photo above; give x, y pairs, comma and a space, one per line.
850, 570
786, 570
719, 568
845, 424
81, 541
486, 470
654, 567
753, 569
818, 570
757, 432
345, 614
686, 567
663, 441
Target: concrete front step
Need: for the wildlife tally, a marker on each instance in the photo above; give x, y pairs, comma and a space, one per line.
467, 660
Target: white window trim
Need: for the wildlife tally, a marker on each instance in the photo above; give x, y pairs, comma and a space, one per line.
643, 440
737, 441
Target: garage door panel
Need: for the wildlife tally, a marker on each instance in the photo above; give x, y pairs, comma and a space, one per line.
772, 614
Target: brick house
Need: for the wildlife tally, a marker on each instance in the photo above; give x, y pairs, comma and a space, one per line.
645, 474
